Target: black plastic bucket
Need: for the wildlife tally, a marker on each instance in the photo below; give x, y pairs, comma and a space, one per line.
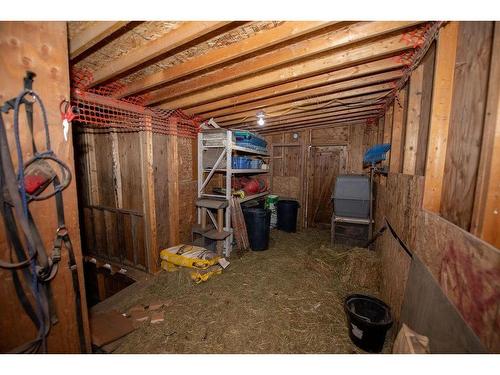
287, 215
257, 221
368, 320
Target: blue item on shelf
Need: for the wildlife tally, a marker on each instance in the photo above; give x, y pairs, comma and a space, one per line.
241, 162
376, 153
255, 163
250, 140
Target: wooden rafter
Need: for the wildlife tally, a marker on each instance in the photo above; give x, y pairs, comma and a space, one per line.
223, 55
349, 121
314, 117
158, 48
300, 104
313, 92
373, 67
290, 68
92, 36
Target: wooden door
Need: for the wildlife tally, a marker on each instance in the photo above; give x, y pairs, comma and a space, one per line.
325, 164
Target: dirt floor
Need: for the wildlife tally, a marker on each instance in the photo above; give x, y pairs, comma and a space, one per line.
288, 299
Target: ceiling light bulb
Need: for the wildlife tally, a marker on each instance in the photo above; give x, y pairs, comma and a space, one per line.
261, 121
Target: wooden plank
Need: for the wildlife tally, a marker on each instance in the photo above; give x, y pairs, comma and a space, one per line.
315, 65
148, 161
332, 105
440, 119
413, 120
42, 48
314, 92
330, 136
486, 214
130, 169
398, 125
173, 213
218, 56
174, 40
93, 35
466, 122
303, 104
211, 109
425, 115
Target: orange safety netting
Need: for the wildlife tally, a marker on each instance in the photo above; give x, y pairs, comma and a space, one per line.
98, 108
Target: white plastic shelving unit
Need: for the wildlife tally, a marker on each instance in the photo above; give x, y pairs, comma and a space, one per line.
221, 140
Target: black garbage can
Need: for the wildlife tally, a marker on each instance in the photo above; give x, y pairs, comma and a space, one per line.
287, 215
258, 221
368, 320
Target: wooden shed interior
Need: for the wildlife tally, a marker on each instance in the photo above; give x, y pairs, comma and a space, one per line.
134, 110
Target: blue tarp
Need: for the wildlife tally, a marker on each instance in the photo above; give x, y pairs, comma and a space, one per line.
376, 153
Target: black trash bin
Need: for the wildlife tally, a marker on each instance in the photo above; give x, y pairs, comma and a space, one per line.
368, 320
258, 221
287, 215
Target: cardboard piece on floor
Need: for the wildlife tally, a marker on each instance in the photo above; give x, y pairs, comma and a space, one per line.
157, 317
109, 326
113, 345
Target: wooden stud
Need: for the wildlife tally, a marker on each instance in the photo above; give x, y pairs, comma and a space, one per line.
218, 56
174, 40
93, 35
413, 120
335, 60
398, 123
173, 186
440, 117
148, 198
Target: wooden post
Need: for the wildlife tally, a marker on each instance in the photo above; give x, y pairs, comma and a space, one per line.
413, 120
173, 184
148, 195
486, 214
398, 123
220, 220
41, 47
440, 118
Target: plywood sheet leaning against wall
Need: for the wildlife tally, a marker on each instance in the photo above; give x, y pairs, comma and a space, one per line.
468, 271
42, 48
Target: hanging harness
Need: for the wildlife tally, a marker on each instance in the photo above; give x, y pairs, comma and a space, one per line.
16, 193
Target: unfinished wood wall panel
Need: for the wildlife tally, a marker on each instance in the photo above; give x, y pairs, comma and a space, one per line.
42, 48
466, 125
330, 135
400, 201
130, 171
425, 110
187, 188
413, 120
104, 170
398, 131
160, 171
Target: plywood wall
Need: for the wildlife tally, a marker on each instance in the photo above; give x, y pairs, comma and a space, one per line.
42, 48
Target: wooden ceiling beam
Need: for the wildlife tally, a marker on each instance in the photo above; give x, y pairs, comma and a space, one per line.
93, 35
313, 92
210, 109
200, 88
372, 113
322, 116
299, 104
219, 56
351, 121
332, 109
185, 34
